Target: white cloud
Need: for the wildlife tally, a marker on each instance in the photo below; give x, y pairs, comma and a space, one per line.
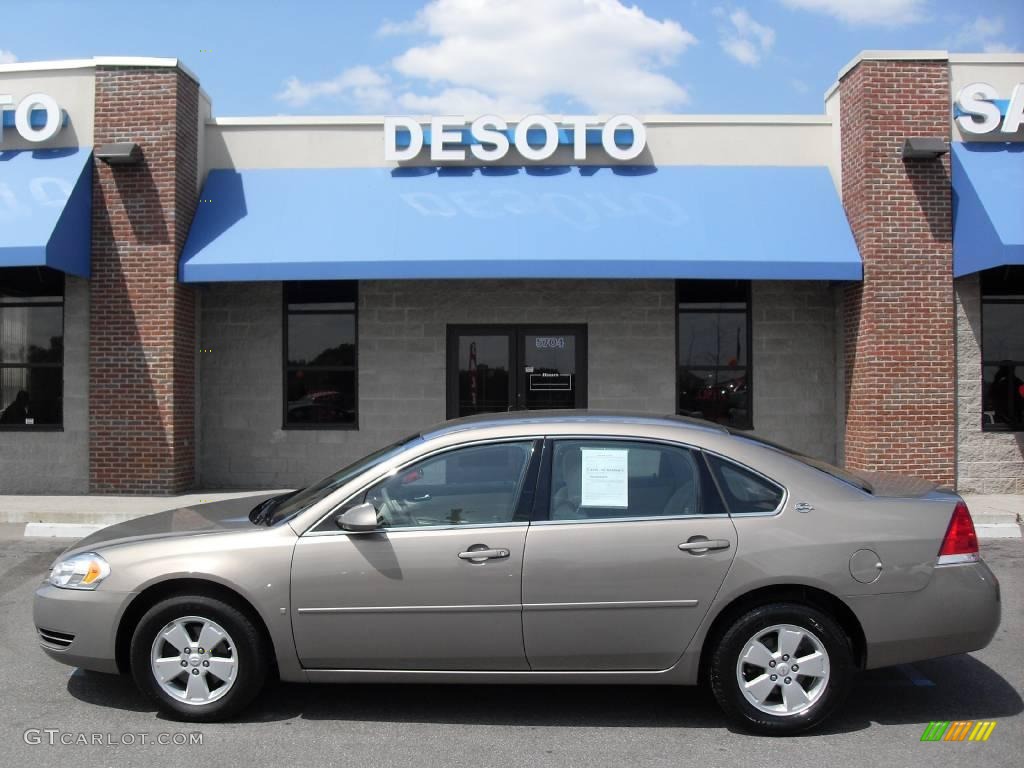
891, 13
361, 86
981, 34
601, 55
799, 85
483, 56
7, 57
746, 40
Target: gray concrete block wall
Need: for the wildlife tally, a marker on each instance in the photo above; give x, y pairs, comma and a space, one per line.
986, 462
402, 339
795, 365
402, 364
57, 462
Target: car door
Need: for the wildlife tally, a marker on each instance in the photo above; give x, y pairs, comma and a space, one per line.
438, 585
635, 546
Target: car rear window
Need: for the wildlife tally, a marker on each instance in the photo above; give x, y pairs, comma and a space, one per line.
745, 492
822, 466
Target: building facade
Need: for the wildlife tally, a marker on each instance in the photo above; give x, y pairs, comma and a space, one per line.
195, 301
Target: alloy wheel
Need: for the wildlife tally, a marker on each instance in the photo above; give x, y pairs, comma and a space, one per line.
783, 670
194, 660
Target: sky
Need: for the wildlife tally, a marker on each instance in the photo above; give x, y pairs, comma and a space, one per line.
510, 57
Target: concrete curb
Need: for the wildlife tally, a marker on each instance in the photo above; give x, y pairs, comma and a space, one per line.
60, 530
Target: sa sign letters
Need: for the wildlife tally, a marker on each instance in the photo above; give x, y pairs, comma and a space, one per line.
979, 112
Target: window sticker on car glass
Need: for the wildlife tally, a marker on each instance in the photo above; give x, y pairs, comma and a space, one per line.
605, 477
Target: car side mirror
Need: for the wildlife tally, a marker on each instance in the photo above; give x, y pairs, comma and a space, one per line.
362, 518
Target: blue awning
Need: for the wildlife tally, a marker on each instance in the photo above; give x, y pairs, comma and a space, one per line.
568, 221
988, 205
46, 209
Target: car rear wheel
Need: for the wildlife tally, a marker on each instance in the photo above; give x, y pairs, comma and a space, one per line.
781, 669
199, 658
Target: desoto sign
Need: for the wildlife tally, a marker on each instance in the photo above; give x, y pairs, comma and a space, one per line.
979, 109
37, 117
489, 138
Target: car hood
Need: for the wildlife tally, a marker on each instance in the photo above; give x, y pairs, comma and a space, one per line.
215, 517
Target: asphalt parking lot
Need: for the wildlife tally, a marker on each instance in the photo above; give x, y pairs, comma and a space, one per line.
294, 725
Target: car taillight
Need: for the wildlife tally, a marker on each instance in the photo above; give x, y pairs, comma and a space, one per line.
960, 544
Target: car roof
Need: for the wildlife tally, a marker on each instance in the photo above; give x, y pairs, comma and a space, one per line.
556, 418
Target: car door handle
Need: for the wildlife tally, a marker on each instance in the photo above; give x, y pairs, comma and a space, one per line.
700, 546
483, 554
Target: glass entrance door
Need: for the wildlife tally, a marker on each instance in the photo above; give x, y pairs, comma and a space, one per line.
494, 368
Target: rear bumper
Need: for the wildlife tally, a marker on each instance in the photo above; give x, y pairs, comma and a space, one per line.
957, 612
88, 618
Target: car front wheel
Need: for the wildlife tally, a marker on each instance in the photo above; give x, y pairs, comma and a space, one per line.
781, 669
199, 658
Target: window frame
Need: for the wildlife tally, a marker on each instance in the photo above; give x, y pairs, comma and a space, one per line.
748, 364
59, 425
542, 500
1017, 299
286, 368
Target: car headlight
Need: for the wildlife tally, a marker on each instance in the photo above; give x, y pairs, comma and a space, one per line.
82, 571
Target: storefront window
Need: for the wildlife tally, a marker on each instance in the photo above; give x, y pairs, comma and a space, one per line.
320, 354
1002, 349
31, 348
713, 351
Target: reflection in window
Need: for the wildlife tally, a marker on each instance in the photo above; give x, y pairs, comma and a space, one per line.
479, 485
320, 354
484, 382
31, 347
1002, 348
713, 353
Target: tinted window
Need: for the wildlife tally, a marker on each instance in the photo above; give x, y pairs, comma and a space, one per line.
31, 347
744, 491
713, 351
320, 354
1002, 348
468, 486
601, 479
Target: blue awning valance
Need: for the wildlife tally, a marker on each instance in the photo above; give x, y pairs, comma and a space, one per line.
505, 222
988, 205
46, 209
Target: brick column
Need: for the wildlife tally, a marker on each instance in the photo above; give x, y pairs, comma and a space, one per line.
142, 324
899, 323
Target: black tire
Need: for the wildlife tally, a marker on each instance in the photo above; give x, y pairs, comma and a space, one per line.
249, 645
725, 656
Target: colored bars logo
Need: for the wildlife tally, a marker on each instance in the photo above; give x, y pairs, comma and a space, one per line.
958, 730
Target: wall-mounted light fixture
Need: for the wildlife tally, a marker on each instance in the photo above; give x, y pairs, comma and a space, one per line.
124, 153
924, 148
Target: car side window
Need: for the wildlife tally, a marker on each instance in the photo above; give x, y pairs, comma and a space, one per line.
467, 486
744, 491
602, 479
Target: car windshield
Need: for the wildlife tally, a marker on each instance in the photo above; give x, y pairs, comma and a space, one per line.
822, 466
288, 506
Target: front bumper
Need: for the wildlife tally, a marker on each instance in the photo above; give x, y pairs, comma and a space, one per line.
957, 612
89, 618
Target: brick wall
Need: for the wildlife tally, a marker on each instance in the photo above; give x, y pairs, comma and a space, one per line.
142, 327
402, 338
899, 323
